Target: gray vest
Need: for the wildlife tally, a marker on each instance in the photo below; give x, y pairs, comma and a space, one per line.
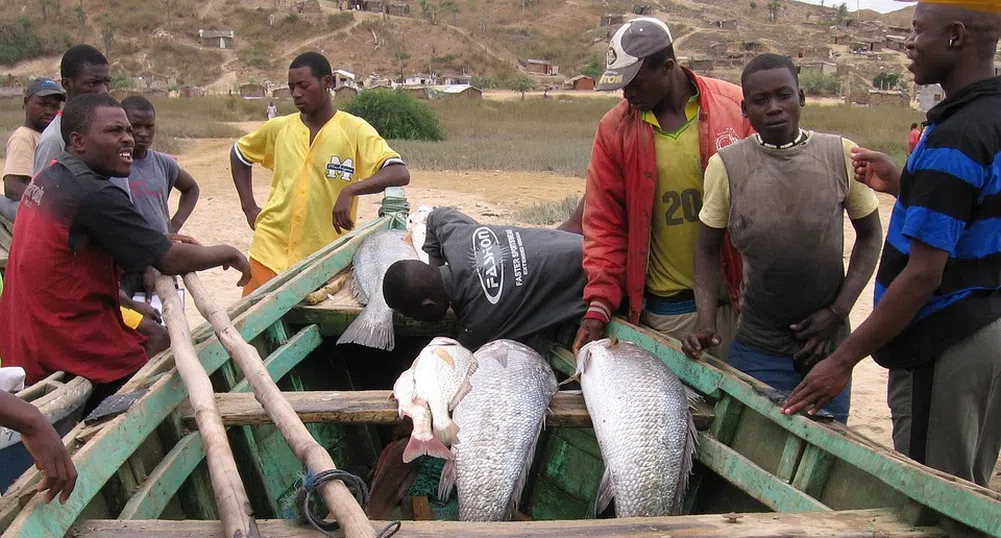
787, 221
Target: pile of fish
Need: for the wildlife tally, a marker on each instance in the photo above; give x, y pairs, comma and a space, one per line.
374, 326
498, 398
641, 417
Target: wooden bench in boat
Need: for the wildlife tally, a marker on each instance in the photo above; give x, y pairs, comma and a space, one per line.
846, 524
378, 407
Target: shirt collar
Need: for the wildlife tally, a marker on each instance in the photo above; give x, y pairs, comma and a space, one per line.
799, 140
965, 96
75, 165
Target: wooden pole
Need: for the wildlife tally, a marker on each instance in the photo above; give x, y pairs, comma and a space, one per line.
336, 496
230, 495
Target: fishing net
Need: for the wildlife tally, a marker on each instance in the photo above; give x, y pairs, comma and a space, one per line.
426, 485
394, 200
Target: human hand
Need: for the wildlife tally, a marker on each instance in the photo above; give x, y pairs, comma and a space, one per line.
52, 458
589, 331
818, 331
181, 238
876, 170
240, 263
820, 386
693, 343
252, 214
342, 211
147, 311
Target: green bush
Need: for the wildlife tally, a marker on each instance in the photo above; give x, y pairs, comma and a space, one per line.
336, 21
814, 83
24, 39
397, 115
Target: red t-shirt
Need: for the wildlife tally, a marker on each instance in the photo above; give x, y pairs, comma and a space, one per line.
75, 231
913, 139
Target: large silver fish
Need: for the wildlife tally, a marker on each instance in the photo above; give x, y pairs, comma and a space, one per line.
374, 326
640, 411
499, 425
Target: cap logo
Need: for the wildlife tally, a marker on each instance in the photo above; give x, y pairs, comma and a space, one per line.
610, 79
611, 56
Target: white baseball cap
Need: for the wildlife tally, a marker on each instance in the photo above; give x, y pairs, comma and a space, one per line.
632, 42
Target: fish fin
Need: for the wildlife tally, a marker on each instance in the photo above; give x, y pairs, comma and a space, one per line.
357, 291
687, 456
370, 331
583, 360
460, 394
449, 434
502, 357
693, 397
432, 447
606, 491
526, 467
447, 480
613, 341
444, 355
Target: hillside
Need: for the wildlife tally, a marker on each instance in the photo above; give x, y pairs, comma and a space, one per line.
486, 38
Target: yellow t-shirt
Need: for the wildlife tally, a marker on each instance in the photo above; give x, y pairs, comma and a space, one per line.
860, 201
676, 205
297, 219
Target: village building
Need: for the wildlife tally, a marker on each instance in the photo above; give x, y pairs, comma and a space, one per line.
700, 63
718, 50
452, 78
281, 93
253, 90
220, 39
929, 95
725, 24
191, 91
580, 83
344, 78
888, 97
754, 46
419, 79
345, 93
541, 66
642, 9
896, 42
461, 91
817, 67
308, 9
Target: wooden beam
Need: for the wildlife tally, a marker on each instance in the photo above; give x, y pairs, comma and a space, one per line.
846, 524
567, 409
754, 480
281, 361
166, 479
333, 321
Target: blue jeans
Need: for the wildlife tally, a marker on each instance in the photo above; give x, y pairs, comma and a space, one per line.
777, 370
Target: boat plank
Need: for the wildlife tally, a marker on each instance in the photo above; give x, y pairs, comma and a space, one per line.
847, 524
160, 486
378, 407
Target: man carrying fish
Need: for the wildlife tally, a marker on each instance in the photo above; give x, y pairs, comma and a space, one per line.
76, 233
322, 159
937, 321
783, 194
640, 211
501, 281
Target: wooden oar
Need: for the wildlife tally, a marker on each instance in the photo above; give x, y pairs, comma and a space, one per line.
335, 494
230, 495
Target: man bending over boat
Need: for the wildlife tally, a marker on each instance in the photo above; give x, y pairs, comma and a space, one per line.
76, 233
783, 194
323, 158
501, 281
937, 322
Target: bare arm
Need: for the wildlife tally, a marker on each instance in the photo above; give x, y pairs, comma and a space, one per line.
707, 276
184, 258
900, 304
243, 179
13, 186
865, 256
188, 188
394, 175
43, 443
574, 224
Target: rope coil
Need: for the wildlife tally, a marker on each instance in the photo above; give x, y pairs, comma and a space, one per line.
357, 487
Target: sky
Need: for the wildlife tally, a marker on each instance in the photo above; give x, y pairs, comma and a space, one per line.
883, 6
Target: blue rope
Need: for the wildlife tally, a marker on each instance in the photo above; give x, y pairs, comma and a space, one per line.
353, 483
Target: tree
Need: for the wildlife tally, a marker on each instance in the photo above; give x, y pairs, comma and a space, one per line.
774, 8
169, 7
108, 30
887, 81
47, 7
595, 67
523, 84
842, 14
432, 9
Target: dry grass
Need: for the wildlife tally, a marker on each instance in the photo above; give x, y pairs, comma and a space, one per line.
548, 213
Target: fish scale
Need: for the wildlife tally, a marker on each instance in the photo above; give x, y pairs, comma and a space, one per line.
641, 417
499, 425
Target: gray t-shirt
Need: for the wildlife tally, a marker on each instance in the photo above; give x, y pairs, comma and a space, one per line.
150, 182
506, 281
51, 145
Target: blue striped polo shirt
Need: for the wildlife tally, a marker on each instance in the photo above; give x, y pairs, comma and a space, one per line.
950, 199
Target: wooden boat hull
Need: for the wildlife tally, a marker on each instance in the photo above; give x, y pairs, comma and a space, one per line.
783, 475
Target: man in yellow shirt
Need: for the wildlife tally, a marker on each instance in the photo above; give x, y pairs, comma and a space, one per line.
322, 159
783, 194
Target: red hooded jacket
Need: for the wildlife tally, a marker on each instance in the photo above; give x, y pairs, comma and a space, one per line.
621, 184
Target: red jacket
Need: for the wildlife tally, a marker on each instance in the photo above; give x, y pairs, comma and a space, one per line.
621, 184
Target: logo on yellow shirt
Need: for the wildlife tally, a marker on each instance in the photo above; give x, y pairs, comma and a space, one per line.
340, 170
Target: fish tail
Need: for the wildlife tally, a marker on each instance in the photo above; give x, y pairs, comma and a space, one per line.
371, 330
449, 434
447, 480
419, 447
687, 456
606, 492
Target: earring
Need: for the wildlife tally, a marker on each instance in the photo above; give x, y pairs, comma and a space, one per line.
952, 42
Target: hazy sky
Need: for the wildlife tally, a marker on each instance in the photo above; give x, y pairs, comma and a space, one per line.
879, 5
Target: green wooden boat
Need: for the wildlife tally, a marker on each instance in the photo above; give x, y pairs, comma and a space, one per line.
759, 473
